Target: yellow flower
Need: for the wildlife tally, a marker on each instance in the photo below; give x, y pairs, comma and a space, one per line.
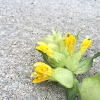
44, 48
42, 72
69, 42
85, 44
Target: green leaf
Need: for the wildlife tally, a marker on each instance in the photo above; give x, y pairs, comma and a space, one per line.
45, 56
96, 55
76, 37
86, 64
63, 76
90, 88
71, 92
72, 61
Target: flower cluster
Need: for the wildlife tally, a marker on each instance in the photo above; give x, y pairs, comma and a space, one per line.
58, 51
42, 72
62, 62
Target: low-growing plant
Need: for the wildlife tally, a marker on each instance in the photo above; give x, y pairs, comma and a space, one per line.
63, 63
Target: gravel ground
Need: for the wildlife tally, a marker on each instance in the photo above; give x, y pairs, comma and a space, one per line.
22, 24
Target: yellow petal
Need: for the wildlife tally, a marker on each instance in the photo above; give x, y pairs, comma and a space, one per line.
43, 71
38, 64
69, 42
42, 43
44, 48
41, 64
38, 70
33, 74
49, 73
85, 44
39, 79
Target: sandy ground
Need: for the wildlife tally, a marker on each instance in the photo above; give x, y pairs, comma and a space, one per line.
22, 24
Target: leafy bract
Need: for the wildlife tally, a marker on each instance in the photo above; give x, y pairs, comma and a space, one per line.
90, 88
72, 61
86, 64
71, 92
63, 76
45, 56
76, 37
57, 60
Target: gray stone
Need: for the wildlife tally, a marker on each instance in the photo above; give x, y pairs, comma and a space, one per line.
23, 23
